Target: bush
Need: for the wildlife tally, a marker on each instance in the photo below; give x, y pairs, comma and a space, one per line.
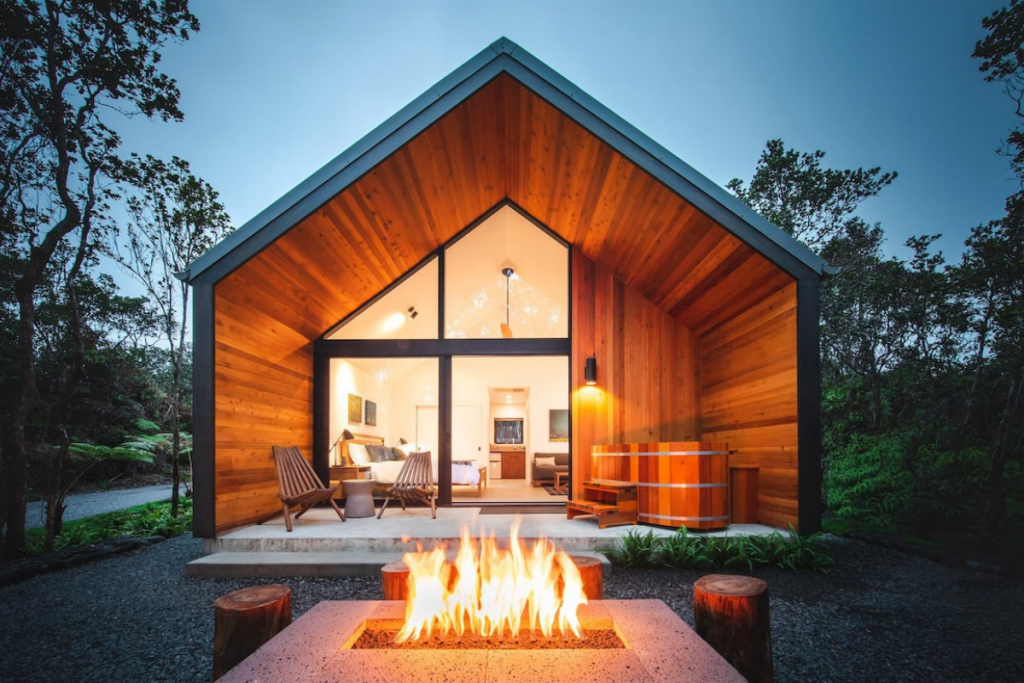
152, 519
867, 480
681, 550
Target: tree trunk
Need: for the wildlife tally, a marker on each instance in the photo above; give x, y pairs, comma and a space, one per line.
72, 378
246, 619
731, 615
1000, 452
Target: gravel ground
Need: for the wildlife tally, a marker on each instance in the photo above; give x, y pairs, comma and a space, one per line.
879, 615
81, 505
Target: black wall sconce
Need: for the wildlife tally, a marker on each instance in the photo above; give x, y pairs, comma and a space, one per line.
590, 371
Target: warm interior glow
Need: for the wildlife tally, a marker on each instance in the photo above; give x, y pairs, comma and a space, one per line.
489, 591
392, 323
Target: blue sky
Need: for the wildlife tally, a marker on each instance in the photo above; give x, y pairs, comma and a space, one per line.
272, 90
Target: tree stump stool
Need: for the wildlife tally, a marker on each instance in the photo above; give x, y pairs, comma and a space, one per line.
246, 619
731, 615
591, 571
394, 578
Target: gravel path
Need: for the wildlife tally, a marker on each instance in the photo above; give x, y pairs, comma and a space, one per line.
81, 505
879, 615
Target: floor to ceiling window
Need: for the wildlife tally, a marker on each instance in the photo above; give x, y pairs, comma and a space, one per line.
441, 360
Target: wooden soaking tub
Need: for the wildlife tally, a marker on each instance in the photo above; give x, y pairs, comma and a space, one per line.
679, 483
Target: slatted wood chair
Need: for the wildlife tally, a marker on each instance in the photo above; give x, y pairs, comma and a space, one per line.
298, 484
415, 482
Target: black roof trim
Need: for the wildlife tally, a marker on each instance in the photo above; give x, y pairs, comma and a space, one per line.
503, 56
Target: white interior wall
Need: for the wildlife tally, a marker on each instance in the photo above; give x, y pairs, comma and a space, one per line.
547, 378
348, 379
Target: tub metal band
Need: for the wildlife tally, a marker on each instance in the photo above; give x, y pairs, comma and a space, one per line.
662, 486
686, 519
602, 454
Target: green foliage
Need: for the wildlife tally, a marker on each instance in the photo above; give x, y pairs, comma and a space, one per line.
867, 480
637, 550
684, 551
88, 454
152, 519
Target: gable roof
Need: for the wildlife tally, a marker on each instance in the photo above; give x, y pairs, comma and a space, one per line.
504, 57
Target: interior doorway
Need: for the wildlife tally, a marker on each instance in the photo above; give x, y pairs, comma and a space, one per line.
516, 405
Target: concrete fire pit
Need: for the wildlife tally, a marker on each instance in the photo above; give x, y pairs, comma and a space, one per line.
317, 647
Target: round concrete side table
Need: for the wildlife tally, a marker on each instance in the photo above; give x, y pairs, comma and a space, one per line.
358, 497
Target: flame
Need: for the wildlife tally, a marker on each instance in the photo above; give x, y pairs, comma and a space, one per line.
488, 591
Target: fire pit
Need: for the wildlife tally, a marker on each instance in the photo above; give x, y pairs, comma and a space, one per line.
492, 614
658, 646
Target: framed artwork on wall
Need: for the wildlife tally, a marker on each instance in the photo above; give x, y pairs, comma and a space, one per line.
355, 409
371, 413
558, 425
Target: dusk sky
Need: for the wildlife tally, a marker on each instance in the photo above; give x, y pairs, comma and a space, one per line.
273, 90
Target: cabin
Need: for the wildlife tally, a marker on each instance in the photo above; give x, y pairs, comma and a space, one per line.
509, 275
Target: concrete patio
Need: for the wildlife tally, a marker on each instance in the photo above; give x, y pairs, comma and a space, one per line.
321, 545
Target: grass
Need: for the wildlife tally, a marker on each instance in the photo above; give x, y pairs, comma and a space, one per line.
151, 519
682, 550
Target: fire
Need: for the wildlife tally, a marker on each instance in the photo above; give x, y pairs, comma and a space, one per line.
488, 591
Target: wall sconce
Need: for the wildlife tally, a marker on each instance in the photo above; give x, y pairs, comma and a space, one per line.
590, 371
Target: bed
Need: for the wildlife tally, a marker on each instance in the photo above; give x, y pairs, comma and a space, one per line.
464, 473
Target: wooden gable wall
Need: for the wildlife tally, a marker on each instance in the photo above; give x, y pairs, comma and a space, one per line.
671, 275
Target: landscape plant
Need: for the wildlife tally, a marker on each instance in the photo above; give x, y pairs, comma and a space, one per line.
151, 519
682, 550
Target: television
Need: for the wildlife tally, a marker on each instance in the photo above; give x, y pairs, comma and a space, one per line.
508, 430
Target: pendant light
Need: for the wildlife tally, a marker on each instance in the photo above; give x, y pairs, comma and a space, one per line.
508, 271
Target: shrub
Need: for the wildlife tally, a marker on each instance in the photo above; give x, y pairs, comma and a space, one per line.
681, 550
152, 519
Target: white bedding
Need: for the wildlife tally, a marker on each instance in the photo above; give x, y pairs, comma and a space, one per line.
386, 472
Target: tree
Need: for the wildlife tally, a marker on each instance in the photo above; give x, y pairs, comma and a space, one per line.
175, 217
1002, 61
809, 202
993, 265
66, 68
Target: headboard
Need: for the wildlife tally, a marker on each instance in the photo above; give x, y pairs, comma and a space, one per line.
364, 439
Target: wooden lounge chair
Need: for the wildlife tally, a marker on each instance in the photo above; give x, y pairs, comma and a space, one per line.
299, 485
415, 482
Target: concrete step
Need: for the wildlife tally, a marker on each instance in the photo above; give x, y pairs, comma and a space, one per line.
223, 565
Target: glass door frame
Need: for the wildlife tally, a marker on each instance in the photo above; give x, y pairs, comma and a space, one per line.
440, 348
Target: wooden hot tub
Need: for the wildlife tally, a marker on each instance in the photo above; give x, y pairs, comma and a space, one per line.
679, 483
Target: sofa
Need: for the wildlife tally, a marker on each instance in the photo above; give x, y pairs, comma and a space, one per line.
545, 474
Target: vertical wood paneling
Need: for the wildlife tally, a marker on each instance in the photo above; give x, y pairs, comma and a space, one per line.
647, 365
749, 399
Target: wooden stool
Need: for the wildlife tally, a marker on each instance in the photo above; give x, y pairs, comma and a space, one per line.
731, 615
246, 619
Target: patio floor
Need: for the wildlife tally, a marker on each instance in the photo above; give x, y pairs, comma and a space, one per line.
321, 545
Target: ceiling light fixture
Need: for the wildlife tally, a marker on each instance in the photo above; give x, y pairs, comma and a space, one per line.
413, 313
508, 270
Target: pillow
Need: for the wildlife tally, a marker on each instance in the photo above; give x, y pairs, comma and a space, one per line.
400, 452
357, 454
544, 461
377, 452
